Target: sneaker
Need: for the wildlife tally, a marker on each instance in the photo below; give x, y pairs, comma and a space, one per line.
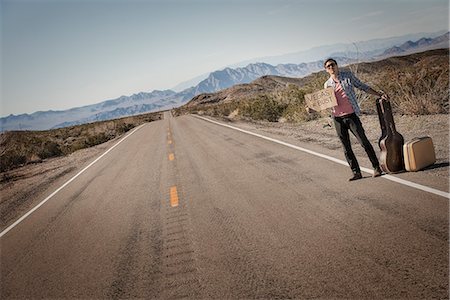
377, 172
356, 176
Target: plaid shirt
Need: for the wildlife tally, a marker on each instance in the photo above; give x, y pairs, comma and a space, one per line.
348, 81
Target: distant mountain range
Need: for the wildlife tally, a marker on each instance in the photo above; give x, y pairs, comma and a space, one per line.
106, 110
420, 45
159, 100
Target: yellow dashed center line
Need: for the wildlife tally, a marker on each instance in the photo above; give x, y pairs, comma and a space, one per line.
168, 136
173, 189
173, 196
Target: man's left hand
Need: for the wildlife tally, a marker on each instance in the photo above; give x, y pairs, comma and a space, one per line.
384, 96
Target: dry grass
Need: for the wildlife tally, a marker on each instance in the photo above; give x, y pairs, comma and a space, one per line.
23, 147
424, 92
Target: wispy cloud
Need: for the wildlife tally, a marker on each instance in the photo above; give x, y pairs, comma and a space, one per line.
430, 10
368, 15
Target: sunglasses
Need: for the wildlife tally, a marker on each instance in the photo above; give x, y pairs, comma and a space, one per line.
330, 65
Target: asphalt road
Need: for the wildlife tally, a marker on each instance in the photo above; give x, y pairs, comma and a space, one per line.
184, 208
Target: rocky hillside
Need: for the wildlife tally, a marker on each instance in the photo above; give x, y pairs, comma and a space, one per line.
417, 84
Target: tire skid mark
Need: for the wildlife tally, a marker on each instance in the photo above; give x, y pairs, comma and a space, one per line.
176, 246
174, 240
176, 217
244, 255
142, 245
176, 226
181, 262
176, 232
175, 222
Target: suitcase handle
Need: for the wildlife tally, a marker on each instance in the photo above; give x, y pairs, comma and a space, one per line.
419, 138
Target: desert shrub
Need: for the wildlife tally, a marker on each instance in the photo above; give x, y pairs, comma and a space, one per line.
216, 110
295, 110
96, 139
125, 127
417, 85
296, 113
10, 159
423, 91
75, 146
289, 95
263, 108
228, 108
315, 82
49, 149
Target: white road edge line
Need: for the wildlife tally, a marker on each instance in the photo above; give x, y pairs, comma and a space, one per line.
65, 184
367, 170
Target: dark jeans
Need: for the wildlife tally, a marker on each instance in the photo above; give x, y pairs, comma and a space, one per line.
351, 122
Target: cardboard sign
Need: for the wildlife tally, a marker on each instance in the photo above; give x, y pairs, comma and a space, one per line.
322, 99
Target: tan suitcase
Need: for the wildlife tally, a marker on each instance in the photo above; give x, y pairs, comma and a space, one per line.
419, 153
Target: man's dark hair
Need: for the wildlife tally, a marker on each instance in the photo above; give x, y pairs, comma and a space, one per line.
329, 59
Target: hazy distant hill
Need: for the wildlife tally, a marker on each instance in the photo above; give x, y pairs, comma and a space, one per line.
106, 110
420, 45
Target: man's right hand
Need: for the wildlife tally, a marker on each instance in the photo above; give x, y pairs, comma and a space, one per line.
310, 110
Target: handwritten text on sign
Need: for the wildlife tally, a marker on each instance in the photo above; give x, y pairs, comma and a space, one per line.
322, 99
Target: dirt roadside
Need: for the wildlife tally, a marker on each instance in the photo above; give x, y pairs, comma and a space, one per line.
23, 188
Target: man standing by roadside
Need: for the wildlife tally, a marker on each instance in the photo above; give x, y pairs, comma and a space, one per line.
345, 115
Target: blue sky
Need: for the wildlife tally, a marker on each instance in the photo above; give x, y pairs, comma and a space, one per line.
68, 53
